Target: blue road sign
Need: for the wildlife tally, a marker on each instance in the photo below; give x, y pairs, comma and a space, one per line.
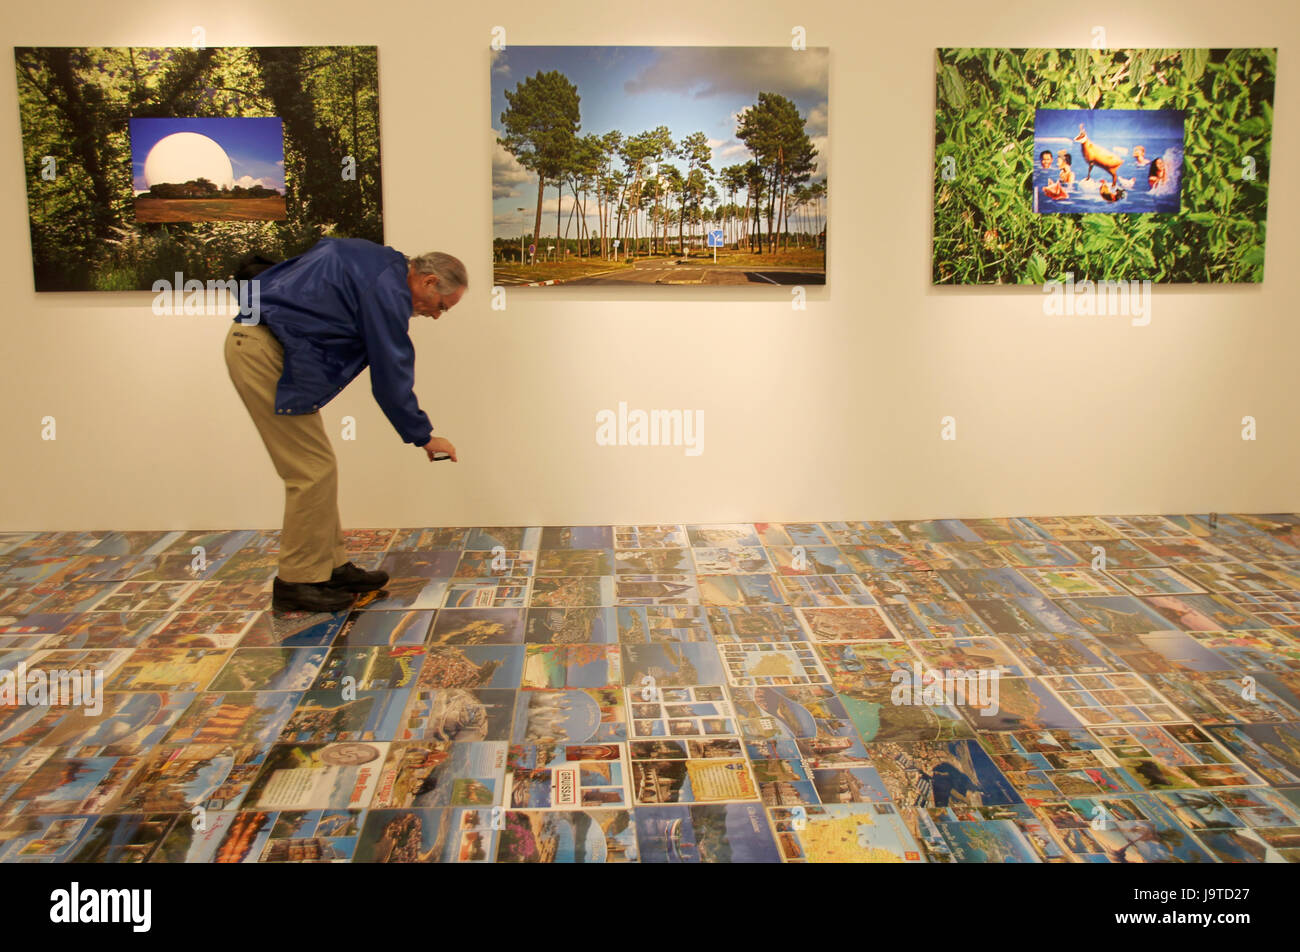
715, 239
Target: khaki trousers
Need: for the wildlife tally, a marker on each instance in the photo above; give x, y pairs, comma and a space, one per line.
311, 542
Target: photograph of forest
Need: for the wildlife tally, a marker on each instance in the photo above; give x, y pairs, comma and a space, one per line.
204, 194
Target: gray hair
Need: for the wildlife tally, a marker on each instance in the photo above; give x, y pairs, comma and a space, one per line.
449, 270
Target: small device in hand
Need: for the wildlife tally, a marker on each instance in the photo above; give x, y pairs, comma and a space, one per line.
439, 457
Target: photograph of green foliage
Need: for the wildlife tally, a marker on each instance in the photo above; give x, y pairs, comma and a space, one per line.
986, 229
77, 106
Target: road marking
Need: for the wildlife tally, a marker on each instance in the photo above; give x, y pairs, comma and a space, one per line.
767, 279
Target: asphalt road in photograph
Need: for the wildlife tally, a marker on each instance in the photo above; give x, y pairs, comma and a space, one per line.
660, 271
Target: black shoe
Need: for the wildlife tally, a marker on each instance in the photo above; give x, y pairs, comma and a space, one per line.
353, 579
308, 597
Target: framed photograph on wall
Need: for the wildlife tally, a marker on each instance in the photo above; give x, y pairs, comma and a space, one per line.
146, 162
1101, 164
647, 166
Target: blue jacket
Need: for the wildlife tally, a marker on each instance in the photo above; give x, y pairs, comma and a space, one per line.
338, 307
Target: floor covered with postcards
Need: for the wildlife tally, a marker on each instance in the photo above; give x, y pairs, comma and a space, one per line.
1085, 689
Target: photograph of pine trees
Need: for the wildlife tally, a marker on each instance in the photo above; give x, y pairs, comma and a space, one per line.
630, 165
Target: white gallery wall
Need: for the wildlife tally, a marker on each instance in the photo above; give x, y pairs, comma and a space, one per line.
828, 413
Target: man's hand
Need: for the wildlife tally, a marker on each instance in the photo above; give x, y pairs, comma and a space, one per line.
439, 445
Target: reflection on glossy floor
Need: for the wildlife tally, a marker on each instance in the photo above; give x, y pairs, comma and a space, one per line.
1085, 689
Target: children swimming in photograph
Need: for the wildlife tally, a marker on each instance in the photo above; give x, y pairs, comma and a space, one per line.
1091, 162
1055, 189
1157, 175
1066, 167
